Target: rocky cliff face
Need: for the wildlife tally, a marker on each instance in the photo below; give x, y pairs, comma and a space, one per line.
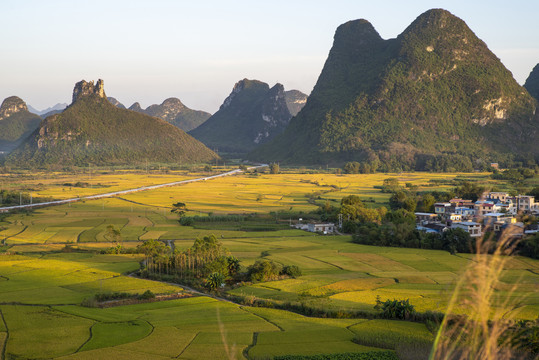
12, 105
275, 116
251, 115
295, 101
83, 88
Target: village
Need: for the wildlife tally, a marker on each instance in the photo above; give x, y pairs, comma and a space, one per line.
498, 212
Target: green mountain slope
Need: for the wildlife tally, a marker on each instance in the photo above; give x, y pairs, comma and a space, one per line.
16, 123
532, 82
92, 130
251, 115
434, 97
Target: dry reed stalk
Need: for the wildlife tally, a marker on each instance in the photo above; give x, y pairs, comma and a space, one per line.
482, 333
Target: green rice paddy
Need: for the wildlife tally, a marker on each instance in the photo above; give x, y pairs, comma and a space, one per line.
52, 266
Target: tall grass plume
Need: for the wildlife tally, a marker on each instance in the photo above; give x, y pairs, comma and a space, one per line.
487, 330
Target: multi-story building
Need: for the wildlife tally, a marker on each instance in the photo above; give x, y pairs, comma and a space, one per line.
483, 207
441, 208
471, 227
526, 203
498, 195
465, 212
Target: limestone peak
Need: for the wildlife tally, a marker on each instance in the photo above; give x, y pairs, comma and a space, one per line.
12, 105
83, 88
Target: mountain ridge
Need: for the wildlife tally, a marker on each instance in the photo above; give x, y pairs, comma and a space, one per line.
251, 114
532, 82
435, 94
92, 130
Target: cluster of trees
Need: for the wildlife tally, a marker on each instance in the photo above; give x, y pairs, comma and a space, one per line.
206, 263
13, 198
405, 158
398, 230
365, 167
517, 174
266, 270
274, 168
206, 259
395, 309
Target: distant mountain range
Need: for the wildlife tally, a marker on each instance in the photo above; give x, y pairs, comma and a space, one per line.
171, 110
434, 98
48, 111
92, 130
176, 113
16, 123
251, 115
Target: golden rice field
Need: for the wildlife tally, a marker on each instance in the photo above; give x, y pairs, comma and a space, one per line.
42, 287
59, 185
278, 192
243, 193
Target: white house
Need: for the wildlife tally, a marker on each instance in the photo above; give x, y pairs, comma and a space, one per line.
525, 203
471, 227
326, 228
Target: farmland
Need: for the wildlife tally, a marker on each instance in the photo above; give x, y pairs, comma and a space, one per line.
52, 265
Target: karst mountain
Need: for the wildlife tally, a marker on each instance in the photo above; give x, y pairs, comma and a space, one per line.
434, 98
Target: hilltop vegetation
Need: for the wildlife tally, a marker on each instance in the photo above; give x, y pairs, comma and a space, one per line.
532, 82
92, 130
16, 123
436, 94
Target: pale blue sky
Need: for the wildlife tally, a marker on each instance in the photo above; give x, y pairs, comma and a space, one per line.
147, 51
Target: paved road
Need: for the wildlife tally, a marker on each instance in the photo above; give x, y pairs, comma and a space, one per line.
123, 192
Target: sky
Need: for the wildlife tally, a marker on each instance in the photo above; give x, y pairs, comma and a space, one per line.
148, 51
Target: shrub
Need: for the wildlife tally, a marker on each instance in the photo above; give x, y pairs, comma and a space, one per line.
395, 309
292, 271
148, 294
274, 168
214, 281
263, 270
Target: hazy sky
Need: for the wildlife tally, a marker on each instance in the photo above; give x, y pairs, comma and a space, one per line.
196, 50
